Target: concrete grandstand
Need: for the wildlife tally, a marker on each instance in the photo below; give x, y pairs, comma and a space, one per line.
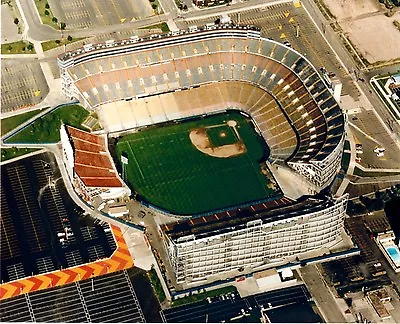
139, 82
300, 105
89, 166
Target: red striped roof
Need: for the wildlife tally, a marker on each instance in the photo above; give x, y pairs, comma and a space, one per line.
92, 164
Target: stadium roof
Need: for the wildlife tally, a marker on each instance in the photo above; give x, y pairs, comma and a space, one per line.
227, 224
92, 163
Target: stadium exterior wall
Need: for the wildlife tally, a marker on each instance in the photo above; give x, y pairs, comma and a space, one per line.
323, 172
260, 244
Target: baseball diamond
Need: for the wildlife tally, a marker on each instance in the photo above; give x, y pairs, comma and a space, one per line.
169, 171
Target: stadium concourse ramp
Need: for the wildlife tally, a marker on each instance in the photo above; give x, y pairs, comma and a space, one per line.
294, 98
121, 259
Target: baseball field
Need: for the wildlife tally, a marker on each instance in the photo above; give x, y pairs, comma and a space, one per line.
197, 165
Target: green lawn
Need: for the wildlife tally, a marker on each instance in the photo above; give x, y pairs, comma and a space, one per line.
10, 123
167, 170
156, 284
20, 47
163, 26
46, 19
47, 128
12, 152
198, 297
53, 44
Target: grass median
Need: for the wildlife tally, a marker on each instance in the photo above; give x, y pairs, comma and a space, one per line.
47, 19
7, 124
203, 295
13, 152
20, 47
57, 43
156, 284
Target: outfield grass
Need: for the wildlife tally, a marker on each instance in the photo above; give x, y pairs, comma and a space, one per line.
13, 152
10, 123
20, 47
47, 128
168, 171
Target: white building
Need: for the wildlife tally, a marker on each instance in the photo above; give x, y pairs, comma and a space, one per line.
237, 245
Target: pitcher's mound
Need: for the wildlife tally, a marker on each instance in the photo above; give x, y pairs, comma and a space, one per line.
201, 141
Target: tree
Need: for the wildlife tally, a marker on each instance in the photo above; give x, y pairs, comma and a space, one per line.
58, 41
154, 6
63, 25
30, 47
69, 38
185, 7
16, 21
9, 48
47, 6
46, 12
54, 20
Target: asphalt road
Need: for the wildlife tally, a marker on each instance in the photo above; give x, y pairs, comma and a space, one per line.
321, 295
346, 58
229, 306
38, 31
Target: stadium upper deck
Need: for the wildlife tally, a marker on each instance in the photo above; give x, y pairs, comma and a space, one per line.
136, 68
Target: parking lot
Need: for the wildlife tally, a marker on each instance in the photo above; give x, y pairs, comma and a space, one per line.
108, 298
87, 13
22, 84
283, 22
42, 229
231, 306
368, 131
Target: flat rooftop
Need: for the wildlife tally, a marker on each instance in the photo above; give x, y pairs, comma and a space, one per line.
226, 222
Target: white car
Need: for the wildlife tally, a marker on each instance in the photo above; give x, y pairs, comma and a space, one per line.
379, 150
379, 154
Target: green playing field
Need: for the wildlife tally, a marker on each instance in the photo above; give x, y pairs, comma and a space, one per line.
167, 170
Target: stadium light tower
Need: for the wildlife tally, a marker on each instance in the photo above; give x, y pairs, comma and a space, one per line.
124, 161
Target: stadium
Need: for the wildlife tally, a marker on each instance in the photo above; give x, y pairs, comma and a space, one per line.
236, 88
